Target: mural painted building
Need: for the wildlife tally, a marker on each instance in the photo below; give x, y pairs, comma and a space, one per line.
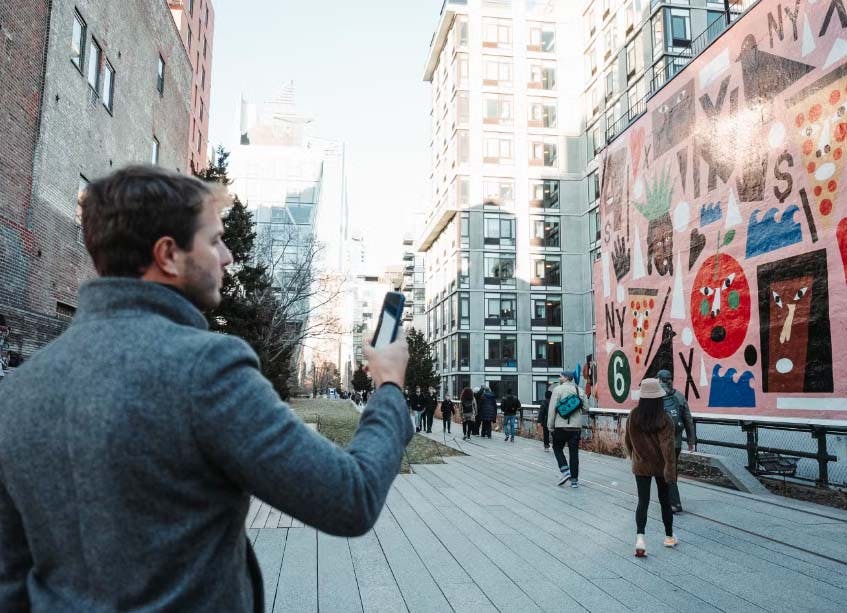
724, 227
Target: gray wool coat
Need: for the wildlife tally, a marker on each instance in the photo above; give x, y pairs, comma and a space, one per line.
130, 446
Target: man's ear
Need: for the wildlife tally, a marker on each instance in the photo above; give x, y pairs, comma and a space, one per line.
165, 256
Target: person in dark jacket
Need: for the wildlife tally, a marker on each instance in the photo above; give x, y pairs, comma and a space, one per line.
487, 411
467, 404
649, 442
416, 401
542, 418
510, 407
676, 406
447, 410
430, 402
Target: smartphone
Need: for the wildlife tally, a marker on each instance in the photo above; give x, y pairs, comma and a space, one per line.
389, 319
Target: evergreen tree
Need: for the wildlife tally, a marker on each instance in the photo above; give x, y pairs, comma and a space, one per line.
420, 370
361, 380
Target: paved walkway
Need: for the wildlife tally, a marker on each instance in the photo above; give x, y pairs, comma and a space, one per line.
492, 532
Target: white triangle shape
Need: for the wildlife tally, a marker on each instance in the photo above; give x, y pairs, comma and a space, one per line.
607, 283
837, 53
638, 257
678, 303
610, 347
704, 381
808, 38
733, 214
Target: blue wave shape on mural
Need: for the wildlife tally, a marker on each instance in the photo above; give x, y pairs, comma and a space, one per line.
710, 213
726, 392
769, 234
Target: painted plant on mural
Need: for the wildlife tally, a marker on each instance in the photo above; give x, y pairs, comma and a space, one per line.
725, 224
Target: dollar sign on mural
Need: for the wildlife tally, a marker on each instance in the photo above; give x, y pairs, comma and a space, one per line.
619, 376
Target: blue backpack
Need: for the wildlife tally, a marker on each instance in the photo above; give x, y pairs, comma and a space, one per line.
568, 405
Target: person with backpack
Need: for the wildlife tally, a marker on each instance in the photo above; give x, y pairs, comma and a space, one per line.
542, 418
564, 419
676, 406
430, 402
510, 407
416, 402
447, 409
467, 403
487, 411
649, 442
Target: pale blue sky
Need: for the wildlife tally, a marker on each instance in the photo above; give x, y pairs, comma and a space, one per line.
357, 68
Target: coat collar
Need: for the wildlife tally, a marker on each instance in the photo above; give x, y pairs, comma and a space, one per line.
107, 297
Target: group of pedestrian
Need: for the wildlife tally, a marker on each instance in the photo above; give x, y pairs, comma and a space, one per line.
423, 405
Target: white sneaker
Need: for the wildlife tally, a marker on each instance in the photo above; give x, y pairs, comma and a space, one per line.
566, 476
640, 546
670, 541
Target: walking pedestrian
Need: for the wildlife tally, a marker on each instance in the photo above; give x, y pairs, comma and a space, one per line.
487, 411
132, 445
447, 410
649, 442
564, 419
430, 402
416, 401
676, 406
542, 419
477, 424
510, 406
469, 411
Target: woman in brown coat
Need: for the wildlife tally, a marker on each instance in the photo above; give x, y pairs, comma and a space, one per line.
649, 441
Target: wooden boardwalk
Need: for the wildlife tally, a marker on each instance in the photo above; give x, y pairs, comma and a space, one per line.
492, 532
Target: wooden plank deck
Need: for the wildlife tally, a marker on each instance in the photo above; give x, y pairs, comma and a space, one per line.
492, 532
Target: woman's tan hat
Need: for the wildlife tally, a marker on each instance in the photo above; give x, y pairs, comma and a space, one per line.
651, 388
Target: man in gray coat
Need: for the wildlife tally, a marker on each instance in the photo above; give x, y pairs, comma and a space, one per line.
130, 446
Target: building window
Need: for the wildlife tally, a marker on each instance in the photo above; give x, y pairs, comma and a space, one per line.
108, 85
547, 352
464, 230
462, 71
542, 114
546, 271
630, 59
543, 153
497, 72
497, 109
463, 111
464, 351
499, 230
593, 187
190, 7
680, 23
658, 35
542, 37
540, 389
594, 225
500, 270
547, 311
462, 29
505, 384
155, 157
463, 145
78, 40
544, 231
497, 33
542, 76
500, 310
95, 53
464, 270
202, 108
463, 195
611, 81
501, 351
203, 80
464, 311
544, 194
498, 192
160, 81
498, 148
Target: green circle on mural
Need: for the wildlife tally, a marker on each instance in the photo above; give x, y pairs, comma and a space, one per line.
620, 377
734, 299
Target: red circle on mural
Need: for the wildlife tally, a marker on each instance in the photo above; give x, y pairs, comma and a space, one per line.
808, 146
841, 131
818, 190
646, 323
837, 154
652, 303
800, 119
722, 329
815, 112
811, 167
826, 206
834, 97
832, 186
638, 305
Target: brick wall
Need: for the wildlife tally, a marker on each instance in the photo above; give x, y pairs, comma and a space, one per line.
43, 262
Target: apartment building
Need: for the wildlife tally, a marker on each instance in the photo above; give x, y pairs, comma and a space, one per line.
505, 242
196, 22
83, 96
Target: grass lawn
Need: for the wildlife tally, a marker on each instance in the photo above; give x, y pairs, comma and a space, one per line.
337, 420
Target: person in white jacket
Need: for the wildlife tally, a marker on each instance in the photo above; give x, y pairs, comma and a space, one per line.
566, 430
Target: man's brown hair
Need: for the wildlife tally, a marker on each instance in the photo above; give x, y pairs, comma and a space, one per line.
126, 212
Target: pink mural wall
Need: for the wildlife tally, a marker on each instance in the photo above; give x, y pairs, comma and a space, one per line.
724, 225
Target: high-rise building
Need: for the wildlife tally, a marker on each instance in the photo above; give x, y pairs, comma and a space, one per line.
506, 239
196, 22
83, 96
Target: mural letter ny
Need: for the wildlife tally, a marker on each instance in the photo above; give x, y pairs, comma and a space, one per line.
731, 267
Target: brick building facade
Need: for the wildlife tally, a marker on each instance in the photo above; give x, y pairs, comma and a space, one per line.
83, 99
